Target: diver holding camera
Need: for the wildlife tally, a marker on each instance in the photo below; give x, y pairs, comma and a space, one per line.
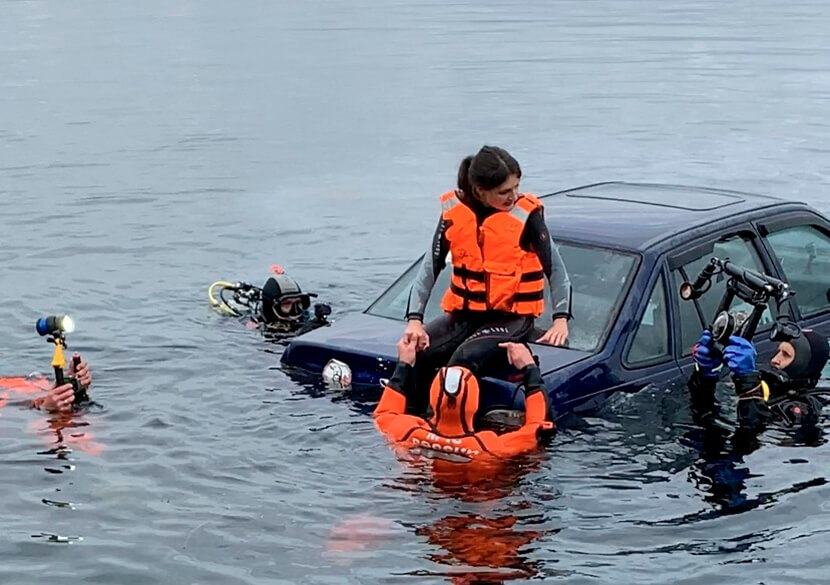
70, 391
67, 391
785, 390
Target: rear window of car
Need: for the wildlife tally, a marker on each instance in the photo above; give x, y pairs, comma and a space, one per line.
599, 276
804, 254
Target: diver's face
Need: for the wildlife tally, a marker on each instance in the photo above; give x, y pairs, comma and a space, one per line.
502, 197
290, 309
784, 356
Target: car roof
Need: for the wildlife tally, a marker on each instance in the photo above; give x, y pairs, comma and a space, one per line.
638, 216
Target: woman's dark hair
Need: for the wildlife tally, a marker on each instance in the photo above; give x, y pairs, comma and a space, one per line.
487, 169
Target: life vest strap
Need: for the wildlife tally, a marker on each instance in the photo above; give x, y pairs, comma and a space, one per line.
526, 297
468, 295
466, 273
481, 276
481, 296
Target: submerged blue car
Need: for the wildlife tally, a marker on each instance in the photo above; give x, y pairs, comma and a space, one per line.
628, 247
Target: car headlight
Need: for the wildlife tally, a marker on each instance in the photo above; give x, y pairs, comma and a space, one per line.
337, 374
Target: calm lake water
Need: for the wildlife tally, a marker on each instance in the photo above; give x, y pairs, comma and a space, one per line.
148, 149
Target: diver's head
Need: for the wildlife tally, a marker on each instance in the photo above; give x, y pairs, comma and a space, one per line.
283, 300
453, 398
803, 357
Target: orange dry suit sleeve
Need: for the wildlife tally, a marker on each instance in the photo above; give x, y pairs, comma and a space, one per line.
527, 437
389, 414
20, 386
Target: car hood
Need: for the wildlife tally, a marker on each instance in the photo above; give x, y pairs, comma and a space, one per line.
367, 343
555, 358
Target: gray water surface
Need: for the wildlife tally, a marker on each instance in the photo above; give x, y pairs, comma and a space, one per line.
148, 149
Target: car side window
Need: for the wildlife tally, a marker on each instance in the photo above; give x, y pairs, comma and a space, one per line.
651, 340
695, 315
804, 254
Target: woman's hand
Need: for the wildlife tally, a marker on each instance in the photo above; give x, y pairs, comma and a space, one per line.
82, 373
416, 333
59, 398
557, 334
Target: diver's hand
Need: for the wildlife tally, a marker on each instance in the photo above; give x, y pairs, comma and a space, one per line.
415, 332
740, 356
518, 354
557, 334
407, 350
59, 398
707, 357
82, 373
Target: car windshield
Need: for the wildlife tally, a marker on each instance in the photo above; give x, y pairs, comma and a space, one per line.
599, 277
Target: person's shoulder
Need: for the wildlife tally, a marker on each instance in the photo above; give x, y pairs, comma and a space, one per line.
532, 199
450, 196
23, 385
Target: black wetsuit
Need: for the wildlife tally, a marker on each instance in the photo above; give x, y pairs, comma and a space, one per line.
471, 338
787, 402
720, 471
284, 330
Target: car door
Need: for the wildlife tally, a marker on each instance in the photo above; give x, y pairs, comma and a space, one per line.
739, 243
648, 352
799, 245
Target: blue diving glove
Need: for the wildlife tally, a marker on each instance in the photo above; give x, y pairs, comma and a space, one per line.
707, 357
740, 356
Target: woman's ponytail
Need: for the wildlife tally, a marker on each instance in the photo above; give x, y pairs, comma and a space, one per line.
464, 184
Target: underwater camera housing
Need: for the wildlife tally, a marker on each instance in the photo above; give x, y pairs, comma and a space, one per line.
752, 287
321, 311
55, 328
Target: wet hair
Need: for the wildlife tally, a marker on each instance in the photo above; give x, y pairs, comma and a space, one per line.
487, 169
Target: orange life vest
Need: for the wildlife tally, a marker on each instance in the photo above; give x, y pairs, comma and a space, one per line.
490, 270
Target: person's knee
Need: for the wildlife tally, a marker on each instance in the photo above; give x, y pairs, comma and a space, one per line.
469, 356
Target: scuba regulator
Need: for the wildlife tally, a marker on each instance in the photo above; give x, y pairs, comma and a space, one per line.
750, 286
55, 328
243, 297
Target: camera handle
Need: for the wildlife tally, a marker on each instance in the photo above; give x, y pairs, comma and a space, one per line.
58, 359
747, 330
727, 324
58, 364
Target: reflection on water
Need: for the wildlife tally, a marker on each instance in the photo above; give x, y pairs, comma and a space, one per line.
478, 549
483, 545
721, 472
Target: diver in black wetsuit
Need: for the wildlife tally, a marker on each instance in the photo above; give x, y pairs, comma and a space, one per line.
280, 308
785, 392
